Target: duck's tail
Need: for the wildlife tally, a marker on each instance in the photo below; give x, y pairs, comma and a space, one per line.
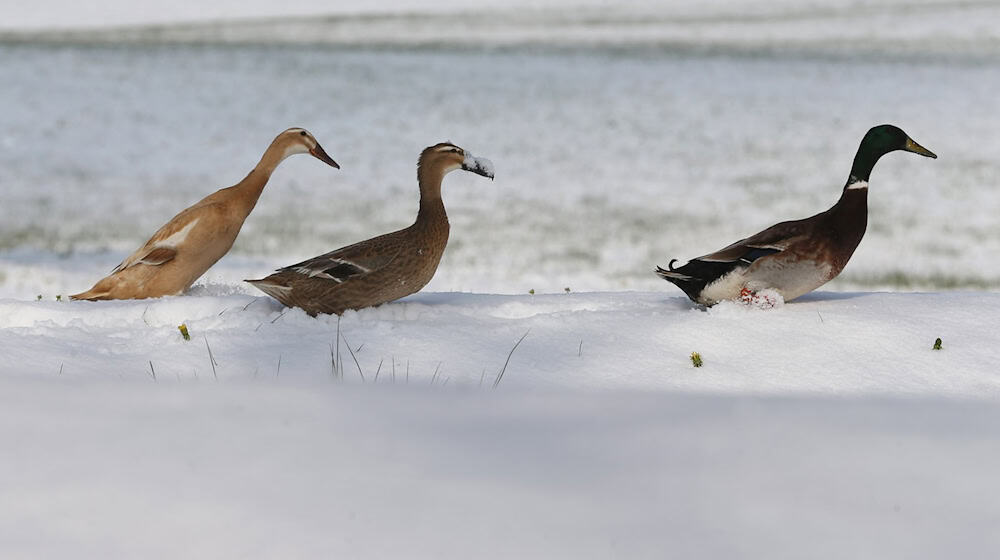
92, 294
693, 276
672, 274
273, 287
102, 290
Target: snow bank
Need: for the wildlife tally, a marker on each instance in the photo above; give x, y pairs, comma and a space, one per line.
817, 425
827, 343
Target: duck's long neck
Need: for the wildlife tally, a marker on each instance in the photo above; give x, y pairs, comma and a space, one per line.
251, 187
864, 162
849, 216
431, 214
854, 200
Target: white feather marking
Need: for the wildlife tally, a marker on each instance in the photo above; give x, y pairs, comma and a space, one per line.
726, 287
178, 237
664, 273
321, 272
857, 185
791, 280
269, 288
314, 273
363, 269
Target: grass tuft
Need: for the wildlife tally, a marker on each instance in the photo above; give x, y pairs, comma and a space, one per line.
937, 344
184, 331
696, 359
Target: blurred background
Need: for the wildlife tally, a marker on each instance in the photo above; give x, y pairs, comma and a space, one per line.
623, 133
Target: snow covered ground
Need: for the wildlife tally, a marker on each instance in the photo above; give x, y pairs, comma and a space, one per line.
623, 134
827, 427
284, 469
850, 344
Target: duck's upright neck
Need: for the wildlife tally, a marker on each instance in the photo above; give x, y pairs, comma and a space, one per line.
864, 162
848, 219
853, 204
431, 212
251, 187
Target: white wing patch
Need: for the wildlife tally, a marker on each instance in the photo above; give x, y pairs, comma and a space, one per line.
363, 269
277, 291
315, 273
170, 242
333, 263
178, 236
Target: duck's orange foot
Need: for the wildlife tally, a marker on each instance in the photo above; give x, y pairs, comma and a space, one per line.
765, 300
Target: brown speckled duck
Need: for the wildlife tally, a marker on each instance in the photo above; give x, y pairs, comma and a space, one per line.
192, 241
799, 256
386, 267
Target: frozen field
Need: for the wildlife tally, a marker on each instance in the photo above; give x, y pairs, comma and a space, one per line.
827, 427
622, 137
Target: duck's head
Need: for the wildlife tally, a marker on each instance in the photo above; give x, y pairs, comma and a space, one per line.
881, 140
887, 138
301, 141
446, 157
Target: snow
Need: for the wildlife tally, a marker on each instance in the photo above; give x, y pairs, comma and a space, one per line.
828, 424
625, 134
275, 470
856, 344
481, 164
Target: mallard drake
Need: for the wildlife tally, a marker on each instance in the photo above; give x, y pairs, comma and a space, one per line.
192, 241
796, 257
382, 268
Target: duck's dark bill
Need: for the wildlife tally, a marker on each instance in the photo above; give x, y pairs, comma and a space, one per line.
912, 146
321, 155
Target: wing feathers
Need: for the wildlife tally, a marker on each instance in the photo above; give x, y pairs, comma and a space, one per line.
158, 256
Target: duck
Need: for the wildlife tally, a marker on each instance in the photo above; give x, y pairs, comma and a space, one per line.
795, 257
384, 268
193, 240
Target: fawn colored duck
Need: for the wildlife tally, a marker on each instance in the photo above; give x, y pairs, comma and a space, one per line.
193, 240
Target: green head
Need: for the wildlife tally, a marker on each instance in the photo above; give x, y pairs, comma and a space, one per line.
879, 141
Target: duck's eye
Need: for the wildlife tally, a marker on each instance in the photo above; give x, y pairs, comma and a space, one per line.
303, 133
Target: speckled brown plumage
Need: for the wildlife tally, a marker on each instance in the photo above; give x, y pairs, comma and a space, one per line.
383, 268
